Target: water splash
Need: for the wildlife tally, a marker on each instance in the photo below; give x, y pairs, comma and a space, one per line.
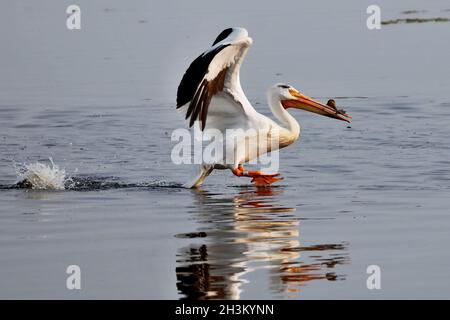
40, 176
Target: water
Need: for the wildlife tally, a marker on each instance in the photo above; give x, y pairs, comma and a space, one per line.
100, 103
39, 176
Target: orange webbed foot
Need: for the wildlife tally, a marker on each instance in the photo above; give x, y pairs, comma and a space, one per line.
261, 180
258, 178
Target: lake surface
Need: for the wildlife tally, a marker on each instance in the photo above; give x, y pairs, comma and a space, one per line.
100, 102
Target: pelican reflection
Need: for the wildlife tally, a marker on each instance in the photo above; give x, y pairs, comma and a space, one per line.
247, 232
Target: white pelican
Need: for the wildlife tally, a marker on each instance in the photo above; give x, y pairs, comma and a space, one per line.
211, 95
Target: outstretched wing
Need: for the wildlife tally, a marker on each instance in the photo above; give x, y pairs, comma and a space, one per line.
213, 78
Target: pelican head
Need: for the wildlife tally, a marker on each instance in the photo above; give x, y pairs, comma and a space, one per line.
293, 98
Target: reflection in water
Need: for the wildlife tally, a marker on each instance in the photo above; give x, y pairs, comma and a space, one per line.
245, 233
42, 194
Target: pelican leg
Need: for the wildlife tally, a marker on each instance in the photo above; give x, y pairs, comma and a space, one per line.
258, 178
239, 171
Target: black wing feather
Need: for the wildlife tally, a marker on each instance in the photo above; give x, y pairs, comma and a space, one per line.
223, 35
194, 101
194, 76
200, 104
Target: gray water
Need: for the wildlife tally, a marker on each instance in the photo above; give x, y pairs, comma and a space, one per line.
100, 102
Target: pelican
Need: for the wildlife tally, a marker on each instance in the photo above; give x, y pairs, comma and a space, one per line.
210, 96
